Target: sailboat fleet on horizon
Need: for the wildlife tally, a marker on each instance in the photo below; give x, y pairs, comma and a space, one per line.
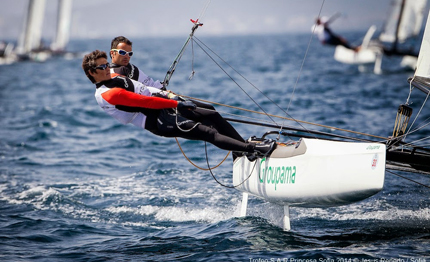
30, 45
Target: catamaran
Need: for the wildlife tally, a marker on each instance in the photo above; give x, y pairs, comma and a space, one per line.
403, 23
324, 169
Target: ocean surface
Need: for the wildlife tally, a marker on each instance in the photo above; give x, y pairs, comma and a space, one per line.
76, 185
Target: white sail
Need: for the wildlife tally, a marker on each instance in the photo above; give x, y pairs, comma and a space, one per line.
409, 25
63, 25
423, 65
31, 36
421, 79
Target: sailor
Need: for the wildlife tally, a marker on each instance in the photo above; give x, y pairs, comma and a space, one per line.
326, 36
130, 101
121, 53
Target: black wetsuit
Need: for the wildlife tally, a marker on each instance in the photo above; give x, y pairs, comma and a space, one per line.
199, 124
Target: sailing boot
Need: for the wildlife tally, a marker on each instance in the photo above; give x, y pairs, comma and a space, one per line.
251, 156
265, 148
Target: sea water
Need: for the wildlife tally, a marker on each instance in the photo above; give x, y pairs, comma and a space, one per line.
76, 185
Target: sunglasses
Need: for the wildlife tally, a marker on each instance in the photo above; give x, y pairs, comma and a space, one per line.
102, 67
123, 52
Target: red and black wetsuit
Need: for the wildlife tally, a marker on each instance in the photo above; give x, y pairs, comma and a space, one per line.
130, 101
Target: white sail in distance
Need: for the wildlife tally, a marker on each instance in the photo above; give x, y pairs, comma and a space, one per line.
31, 36
421, 79
64, 16
407, 15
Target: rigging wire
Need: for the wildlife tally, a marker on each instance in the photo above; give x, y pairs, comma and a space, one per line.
421, 184
213, 176
200, 43
203, 12
426, 123
304, 59
285, 118
172, 67
301, 68
270, 116
166, 82
410, 89
416, 130
419, 112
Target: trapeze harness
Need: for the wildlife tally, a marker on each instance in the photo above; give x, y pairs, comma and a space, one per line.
133, 72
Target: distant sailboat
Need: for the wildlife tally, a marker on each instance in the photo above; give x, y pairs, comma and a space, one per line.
7, 56
64, 16
404, 22
30, 45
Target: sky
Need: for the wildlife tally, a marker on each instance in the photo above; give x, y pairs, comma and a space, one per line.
162, 18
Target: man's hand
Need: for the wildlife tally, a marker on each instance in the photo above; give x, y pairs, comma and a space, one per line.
186, 105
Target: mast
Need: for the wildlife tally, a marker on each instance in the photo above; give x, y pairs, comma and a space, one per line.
396, 40
64, 15
179, 56
31, 35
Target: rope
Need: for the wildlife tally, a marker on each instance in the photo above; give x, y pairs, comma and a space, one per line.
221, 184
179, 126
201, 168
202, 13
243, 77
408, 179
231, 78
304, 59
211, 168
286, 118
419, 112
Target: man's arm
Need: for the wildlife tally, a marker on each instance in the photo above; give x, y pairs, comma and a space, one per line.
120, 96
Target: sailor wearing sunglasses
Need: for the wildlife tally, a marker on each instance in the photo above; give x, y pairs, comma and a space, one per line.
130, 101
121, 53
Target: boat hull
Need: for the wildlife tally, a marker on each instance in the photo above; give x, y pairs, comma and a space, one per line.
314, 173
348, 56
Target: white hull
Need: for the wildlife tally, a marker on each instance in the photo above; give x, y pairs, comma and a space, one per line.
316, 173
348, 56
365, 55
